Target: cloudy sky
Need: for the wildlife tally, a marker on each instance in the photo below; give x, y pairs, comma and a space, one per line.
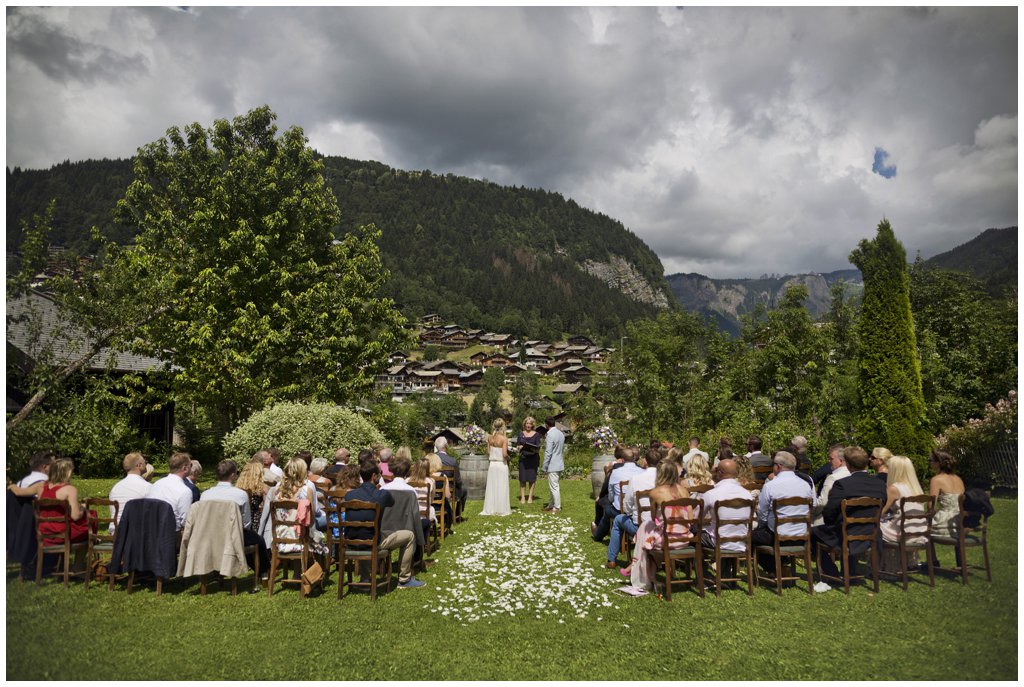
735, 142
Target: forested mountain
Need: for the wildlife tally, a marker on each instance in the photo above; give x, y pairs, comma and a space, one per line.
990, 257
512, 259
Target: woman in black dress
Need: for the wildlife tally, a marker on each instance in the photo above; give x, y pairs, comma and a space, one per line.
529, 458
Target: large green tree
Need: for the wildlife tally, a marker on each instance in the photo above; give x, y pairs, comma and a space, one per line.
892, 409
235, 278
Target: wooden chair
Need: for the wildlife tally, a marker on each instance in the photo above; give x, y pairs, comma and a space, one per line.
761, 473
668, 557
786, 546
919, 521
968, 537
101, 536
431, 544
301, 559
369, 551
443, 526
449, 472
65, 547
701, 488
644, 505
719, 553
387, 478
844, 548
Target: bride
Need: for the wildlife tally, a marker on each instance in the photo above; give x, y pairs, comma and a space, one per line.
496, 499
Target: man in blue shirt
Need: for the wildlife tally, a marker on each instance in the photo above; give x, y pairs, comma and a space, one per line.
628, 470
404, 540
783, 484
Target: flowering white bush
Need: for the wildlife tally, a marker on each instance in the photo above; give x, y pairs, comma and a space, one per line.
603, 439
528, 565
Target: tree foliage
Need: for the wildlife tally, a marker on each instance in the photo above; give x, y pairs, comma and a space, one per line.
892, 405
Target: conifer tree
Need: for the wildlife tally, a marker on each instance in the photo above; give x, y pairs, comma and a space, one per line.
892, 412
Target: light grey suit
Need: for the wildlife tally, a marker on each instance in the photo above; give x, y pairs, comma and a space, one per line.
554, 443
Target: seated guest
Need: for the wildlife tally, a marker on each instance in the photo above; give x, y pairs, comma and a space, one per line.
694, 451
386, 455
837, 462
58, 486
946, 486
341, 456
317, 466
858, 484
404, 540
798, 448
698, 473
294, 487
629, 520
173, 489
785, 483
440, 448
225, 490
668, 487
745, 475
251, 482
627, 472
195, 470
754, 455
880, 462
727, 486
273, 457
436, 475
902, 482
602, 498
724, 445
39, 468
825, 470
417, 474
133, 486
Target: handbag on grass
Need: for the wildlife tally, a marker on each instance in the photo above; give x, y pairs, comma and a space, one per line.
313, 575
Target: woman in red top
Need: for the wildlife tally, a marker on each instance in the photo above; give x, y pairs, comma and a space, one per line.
58, 487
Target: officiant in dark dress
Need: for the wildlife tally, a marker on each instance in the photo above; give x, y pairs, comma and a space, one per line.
528, 442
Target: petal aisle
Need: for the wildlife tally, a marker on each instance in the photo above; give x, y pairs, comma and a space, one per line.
522, 566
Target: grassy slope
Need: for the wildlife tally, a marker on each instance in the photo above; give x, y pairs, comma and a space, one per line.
944, 633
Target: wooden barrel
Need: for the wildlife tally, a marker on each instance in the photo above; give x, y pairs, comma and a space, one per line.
597, 472
473, 469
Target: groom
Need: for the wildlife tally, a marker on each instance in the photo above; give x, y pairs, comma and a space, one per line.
554, 442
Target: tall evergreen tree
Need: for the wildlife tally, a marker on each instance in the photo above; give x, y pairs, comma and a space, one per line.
892, 404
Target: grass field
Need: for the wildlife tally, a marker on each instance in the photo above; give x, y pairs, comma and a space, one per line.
581, 632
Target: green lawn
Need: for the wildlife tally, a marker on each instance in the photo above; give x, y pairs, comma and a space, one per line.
950, 632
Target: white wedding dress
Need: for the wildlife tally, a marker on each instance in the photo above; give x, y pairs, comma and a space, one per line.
496, 499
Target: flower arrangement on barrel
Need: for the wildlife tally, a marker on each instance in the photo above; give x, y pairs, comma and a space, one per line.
603, 438
476, 439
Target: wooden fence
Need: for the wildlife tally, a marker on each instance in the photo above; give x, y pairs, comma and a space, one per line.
998, 463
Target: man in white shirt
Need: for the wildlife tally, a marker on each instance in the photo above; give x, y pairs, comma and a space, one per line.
172, 488
225, 490
133, 486
629, 520
694, 451
270, 459
39, 468
627, 472
783, 484
726, 487
341, 456
839, 471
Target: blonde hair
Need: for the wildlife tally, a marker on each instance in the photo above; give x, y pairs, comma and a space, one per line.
131, 461
667, 474
744, 471
294, 479
497, 429
675, 454
420, 471
698, 472
250, 480
882, 453
529, 420
435, 462
60, 471
404, 452
901, 471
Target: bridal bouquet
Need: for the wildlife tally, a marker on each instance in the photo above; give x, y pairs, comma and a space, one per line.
476, 438
604, 439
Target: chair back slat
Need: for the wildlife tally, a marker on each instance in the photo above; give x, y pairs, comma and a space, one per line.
64, 518
100, 527
622, 493
746, 521
354, 505
918, 519
643, 504
692, 522
805, 519
847, 519
701, 488
276, 507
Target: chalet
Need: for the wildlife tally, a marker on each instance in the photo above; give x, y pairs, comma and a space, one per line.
580, 341
515, 369
577, 373
430, 320
479, 358
499, 340
568, 355
455, 435
455, 339
497, 360
596, 354
64, 342
427, 380
473, 379
535, 358
570, 389
398, 357
432, 335
557, 366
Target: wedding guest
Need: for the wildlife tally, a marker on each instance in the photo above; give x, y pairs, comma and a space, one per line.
901, 482
698, 473
880, 462
946, 487
251, 482
173, 489
641, 570
628, 521
39, 468
195, 471
58, 486
133, 486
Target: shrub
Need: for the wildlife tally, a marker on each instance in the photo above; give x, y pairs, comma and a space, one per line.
977, 436
293, 427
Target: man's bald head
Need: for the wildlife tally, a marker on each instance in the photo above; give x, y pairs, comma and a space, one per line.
727, 469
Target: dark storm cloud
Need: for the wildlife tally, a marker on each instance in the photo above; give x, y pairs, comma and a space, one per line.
733, 140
